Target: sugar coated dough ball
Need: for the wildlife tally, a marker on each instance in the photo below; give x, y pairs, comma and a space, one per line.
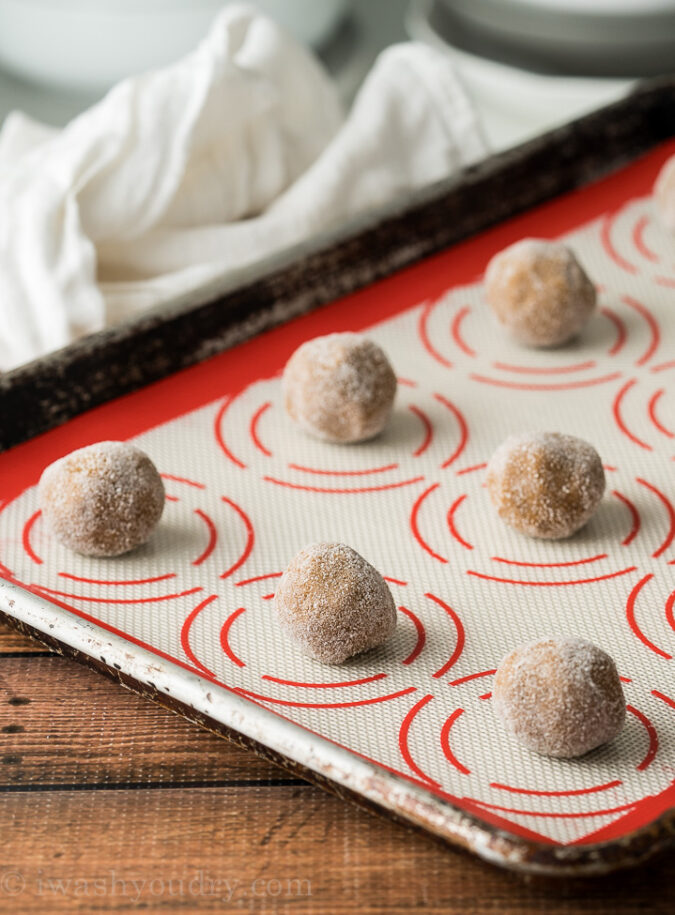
539, 292
333, 603
560, 697
545, 484
339, 387
664, 195
102, 500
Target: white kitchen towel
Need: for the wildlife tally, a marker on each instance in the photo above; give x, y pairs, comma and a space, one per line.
183, 174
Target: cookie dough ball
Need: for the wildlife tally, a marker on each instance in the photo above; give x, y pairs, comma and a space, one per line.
560, 697
539, 292
664, 195
545, 484
339, 387
333, 603
102, 500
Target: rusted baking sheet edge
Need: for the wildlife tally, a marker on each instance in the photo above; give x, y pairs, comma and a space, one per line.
332, 768
189, 329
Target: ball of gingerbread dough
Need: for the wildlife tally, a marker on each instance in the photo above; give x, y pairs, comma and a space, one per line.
340, 387
333, 603
545, 484
102, 500
664, 195
560, 697
539, 292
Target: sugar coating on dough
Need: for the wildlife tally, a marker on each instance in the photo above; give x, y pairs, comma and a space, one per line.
560, 697
545, 484
339, 387
102, 500
539, 292
333, 603
664, 195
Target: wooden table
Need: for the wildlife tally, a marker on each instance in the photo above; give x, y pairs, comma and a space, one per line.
113, 804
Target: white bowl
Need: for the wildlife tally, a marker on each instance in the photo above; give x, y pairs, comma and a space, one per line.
586, 37
515, 104
91, 44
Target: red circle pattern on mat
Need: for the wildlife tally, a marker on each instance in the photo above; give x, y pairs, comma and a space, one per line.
223, 542
409, 645
622, 326
465, 706
256, 435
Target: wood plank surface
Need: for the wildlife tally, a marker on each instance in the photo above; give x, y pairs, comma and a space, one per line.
111, 804
292, 849
12, 642
81, 711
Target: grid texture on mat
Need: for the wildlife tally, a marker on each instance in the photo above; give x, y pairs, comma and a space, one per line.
246, 490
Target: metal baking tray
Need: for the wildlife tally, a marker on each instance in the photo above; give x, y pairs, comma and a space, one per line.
406, 730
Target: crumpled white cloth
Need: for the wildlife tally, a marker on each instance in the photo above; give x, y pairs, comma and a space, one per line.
180, 175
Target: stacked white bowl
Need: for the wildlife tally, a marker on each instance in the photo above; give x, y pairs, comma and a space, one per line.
531, 64
89, 45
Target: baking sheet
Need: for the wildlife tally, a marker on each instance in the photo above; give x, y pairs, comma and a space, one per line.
246, 490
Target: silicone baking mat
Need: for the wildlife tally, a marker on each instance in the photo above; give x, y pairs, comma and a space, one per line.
246, 490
